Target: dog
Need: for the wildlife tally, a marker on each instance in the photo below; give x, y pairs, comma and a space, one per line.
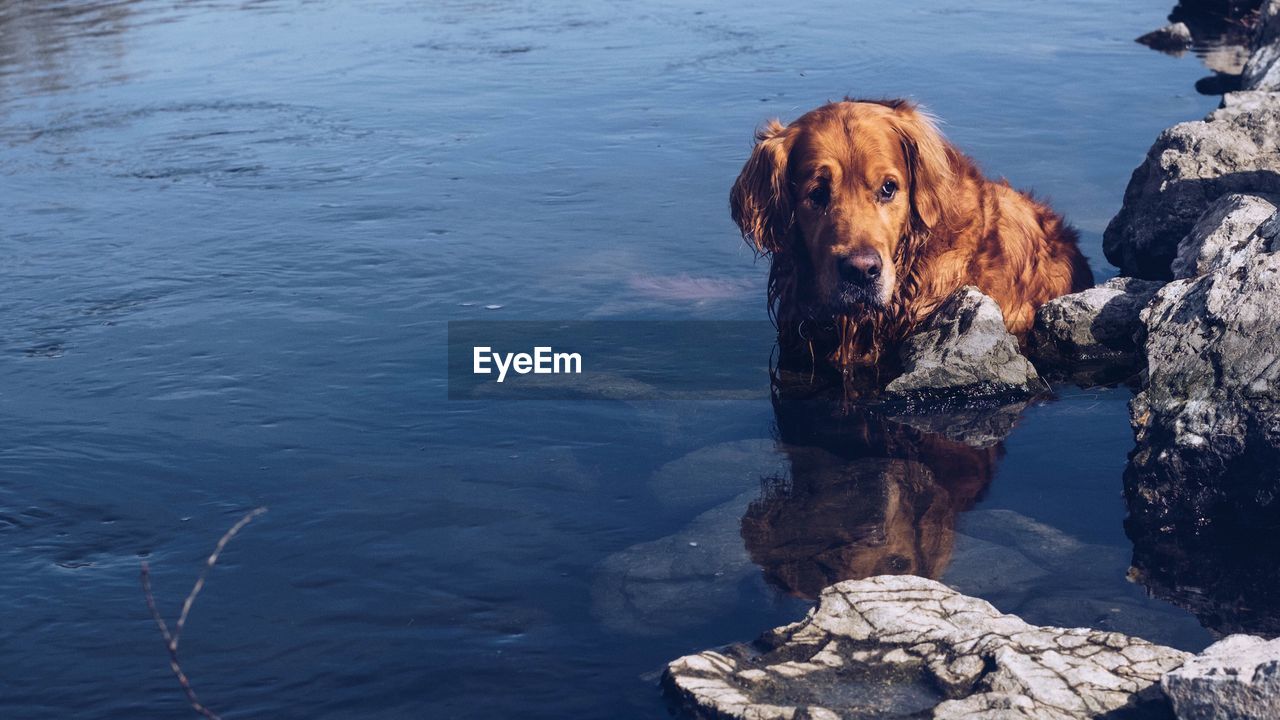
870, 219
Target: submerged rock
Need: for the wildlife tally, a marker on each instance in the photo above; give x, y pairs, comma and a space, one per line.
964, 350
1172, 38
1090, 335
1235, 149
1262, 71
1208, 445
1225, 234
871, 647
712, 475
677, 581
1046, 576
1237, 677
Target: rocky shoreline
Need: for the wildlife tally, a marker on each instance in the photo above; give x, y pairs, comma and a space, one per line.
1192, 326
939, 648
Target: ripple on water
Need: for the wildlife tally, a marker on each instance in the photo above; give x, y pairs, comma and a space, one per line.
218, 143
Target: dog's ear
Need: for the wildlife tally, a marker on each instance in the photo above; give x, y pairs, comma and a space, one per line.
761, 199
929, 158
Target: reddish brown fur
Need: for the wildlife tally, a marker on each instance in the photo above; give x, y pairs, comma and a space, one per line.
813, 193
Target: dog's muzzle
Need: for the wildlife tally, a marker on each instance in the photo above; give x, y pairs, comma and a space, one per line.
860, 280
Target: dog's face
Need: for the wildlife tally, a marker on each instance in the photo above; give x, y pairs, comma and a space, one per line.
844, 185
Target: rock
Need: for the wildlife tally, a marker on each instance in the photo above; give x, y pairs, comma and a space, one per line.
586, 386
964, 350
1236, 149
678, 581
1208, 445
1172, 38
711, 475
1224, 234
1262, 71
1091, 334
1236, 677
875, 647
1047, 576
1201, 514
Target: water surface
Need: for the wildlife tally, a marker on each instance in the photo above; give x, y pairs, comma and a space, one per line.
233, 233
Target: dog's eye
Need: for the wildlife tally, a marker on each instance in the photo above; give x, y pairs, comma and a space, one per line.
888, 190
820, 196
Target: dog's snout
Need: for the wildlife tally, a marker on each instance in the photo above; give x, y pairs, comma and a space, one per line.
861, 267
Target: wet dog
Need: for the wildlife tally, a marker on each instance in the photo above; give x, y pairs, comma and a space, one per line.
870, 218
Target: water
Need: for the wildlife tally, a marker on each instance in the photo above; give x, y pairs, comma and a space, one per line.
232, 235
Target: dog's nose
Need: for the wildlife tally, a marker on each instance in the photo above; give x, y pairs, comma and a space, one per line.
861, 268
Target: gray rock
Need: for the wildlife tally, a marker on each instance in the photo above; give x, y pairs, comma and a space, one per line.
1092, 333
964, 349
711, 475
1262, 71
679, 580
1208, 444
1236, 677
1203, 482
871, 647
1224, 234
587, 386
1236, 149
1172, 38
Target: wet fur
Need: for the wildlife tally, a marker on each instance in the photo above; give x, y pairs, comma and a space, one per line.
961, 229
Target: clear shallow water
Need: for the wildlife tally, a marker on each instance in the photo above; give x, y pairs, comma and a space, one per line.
232, 234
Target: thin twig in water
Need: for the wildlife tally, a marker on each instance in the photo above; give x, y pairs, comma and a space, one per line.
171, 638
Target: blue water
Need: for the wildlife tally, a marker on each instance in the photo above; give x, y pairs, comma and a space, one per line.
231, 234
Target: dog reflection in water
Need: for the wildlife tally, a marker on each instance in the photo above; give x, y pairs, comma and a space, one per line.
866, 496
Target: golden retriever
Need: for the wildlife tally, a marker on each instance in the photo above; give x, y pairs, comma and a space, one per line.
870, 218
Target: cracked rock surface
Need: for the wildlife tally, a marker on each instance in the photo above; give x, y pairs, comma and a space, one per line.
905, 646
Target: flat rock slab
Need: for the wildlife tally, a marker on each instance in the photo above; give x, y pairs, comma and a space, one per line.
1237, 677
892, 636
